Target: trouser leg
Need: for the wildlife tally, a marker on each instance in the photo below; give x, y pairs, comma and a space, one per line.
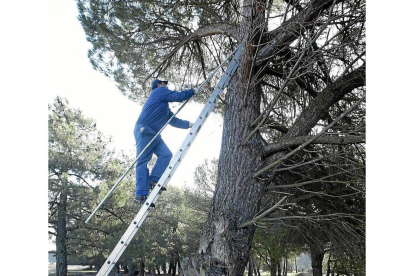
141, 167
164, 156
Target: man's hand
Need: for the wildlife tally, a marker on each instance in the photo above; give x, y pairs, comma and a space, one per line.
196, 90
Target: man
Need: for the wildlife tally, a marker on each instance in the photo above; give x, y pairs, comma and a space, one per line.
154, 115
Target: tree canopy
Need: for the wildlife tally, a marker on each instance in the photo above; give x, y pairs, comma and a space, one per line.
294, 112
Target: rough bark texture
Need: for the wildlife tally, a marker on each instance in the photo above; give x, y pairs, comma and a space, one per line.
61, 249
225, 249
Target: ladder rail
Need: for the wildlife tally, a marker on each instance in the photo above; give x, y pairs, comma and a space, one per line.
152, 140
168, 173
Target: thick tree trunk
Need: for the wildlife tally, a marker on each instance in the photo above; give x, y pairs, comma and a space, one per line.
224, 248
317, 258
61, 247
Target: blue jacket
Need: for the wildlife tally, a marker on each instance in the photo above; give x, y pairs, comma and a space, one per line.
156, 111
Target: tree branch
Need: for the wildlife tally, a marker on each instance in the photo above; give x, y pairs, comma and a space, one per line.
265, 213
330, 95
290, 29
349, 110
298, 140
219, 28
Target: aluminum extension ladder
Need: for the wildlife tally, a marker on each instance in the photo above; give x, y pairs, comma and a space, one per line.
173, 165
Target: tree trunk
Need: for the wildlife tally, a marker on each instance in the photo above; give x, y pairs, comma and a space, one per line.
142, 268
224, 248
296, 266
158, 269
61, 247
273, 267
164, 267
250, 270
317, 258
279, 268
173, 266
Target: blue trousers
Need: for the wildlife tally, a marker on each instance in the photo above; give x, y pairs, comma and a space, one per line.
143, 135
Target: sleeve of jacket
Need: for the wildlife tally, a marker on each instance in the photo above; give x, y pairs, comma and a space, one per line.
174, 96
175, 122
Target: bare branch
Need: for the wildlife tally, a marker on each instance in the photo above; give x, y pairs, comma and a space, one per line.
298, 140
265, 213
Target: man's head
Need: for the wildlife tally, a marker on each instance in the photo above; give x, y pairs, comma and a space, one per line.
156, 83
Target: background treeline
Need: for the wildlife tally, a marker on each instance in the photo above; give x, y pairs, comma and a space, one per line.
323, 215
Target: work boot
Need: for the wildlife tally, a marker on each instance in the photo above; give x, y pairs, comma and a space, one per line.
140, 199
152, 184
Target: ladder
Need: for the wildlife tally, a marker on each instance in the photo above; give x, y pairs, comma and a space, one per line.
173, 165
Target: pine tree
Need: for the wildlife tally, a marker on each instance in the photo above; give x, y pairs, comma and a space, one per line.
302, 72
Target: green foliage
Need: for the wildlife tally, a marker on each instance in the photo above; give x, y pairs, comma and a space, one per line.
132, 40
80, 164
77, 149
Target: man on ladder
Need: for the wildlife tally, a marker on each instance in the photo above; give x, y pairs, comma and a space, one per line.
154, 115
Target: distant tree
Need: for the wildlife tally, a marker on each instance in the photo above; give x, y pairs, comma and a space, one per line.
79, 160
77, 152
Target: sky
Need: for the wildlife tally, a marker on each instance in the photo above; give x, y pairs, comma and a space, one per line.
32, 48
71, 76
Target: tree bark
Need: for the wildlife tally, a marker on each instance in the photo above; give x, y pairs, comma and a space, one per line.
61, 246
225, 249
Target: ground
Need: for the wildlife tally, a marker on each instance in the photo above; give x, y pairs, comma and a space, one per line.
79, 270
